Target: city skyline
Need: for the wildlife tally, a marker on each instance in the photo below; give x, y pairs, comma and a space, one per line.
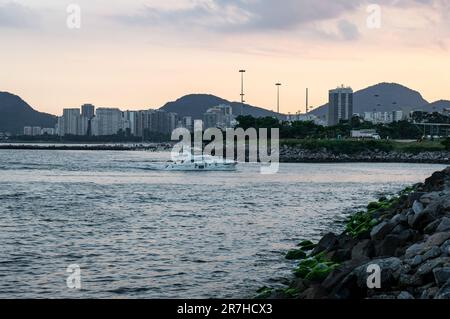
141, 54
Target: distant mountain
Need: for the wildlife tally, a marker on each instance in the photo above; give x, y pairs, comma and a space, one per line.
15, 113
196, 105
383, 97
437, 106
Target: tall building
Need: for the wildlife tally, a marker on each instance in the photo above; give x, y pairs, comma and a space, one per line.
220, 116
88, 111
187, 123
107, 121
340, 105
173, 121
131, 118
70, 122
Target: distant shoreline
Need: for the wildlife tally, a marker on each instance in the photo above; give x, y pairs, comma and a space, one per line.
86, 146
287, 154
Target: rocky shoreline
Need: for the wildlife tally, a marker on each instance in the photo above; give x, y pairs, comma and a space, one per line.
399, 248
290, 154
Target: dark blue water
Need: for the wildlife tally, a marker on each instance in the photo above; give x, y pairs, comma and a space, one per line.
137, 232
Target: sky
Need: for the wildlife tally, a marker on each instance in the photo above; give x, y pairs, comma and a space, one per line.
140, 54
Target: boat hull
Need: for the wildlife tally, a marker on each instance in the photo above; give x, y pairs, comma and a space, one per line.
201, 168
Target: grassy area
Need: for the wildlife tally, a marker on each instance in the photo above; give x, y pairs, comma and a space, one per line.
356, 146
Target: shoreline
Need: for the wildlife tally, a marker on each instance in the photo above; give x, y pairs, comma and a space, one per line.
406, 237
287, 154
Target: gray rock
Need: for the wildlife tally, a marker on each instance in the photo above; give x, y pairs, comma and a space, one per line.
399, 219
381, 230
328, 242
422, 219
444, 226
363, 249
429, 293
441, 275
437, 239
445, 204
431, 227
445, 248
390, 246
338, 274
434, 252
391, 268
415, 250
399, 229
428, 266
407, 235
429, 197
417, 260
406, 280
417, 207
413, 197
404, 295
444, 292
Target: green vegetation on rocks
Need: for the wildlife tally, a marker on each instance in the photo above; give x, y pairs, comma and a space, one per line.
315, 268
295, 254
363, 222
307, 245
264, 292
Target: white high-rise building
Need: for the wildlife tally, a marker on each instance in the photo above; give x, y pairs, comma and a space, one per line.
107, 121
131, 118
173, 121
220, 116
69, 123
83, 125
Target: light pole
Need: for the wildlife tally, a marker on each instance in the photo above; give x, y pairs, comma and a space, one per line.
242, 91
278, 97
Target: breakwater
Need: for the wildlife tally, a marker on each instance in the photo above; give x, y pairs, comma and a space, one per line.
399, 248
295, 154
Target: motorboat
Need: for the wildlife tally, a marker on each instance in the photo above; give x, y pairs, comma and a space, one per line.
189, 162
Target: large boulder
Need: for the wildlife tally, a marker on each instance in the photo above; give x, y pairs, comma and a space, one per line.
420, 248
441, 275
363, 250
444, 292
437, 239
428, 267
430, 197
390, 246
422, 219
391, 268
434, 252
445, 248
327, 243
431, 227
444, 225
381, 230
436, 182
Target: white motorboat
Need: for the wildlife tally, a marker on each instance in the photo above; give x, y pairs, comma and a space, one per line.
188, 162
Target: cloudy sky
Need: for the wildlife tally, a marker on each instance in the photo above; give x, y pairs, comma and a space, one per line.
138, 54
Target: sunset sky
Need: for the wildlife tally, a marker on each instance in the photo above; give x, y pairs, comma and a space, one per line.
139, 54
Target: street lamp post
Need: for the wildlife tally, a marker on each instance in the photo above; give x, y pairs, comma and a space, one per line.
278, 97
242, 91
